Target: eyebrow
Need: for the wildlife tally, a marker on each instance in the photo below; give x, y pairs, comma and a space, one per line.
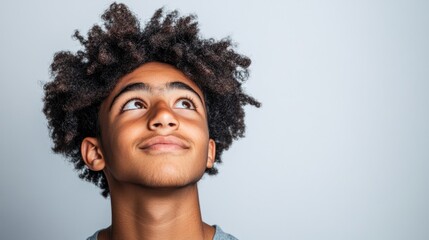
131, 87
139, 86
183, 86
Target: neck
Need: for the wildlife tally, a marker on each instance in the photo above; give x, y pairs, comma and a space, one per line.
144, 213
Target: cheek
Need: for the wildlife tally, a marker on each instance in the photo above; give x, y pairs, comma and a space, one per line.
196, 120
198, 132
121, 137
197, 129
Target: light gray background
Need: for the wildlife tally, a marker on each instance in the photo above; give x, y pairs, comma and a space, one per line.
339, 150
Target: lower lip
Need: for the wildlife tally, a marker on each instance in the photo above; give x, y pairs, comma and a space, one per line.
164, 147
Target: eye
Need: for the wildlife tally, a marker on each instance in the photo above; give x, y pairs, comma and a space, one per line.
133, 104
184, 104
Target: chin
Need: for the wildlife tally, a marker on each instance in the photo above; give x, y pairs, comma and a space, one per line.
168, 177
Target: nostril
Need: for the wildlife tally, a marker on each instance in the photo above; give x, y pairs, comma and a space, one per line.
158, 124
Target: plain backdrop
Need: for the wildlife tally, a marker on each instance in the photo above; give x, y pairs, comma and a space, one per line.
339, 149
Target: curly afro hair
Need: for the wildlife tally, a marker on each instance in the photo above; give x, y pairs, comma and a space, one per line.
82, 80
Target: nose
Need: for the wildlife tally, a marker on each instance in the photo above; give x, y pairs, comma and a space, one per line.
162, 118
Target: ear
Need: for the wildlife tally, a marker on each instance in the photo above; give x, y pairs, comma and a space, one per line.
91, 154
211, 153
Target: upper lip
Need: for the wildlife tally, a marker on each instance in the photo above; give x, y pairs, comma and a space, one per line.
164, 140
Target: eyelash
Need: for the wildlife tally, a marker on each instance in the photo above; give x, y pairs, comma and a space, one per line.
186, 97
131, 99
189, 98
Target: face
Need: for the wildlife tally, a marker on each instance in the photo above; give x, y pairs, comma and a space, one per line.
154, 130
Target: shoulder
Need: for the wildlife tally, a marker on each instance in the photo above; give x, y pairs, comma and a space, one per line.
221, 235
94, 236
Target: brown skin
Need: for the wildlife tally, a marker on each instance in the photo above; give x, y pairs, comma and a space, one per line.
154, 148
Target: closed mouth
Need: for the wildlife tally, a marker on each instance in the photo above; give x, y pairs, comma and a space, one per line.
164, 143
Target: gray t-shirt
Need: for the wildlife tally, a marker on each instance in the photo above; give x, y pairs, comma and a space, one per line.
219, 235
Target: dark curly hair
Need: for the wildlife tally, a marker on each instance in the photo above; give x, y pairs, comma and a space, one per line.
82, 80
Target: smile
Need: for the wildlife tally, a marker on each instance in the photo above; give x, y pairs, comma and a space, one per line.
164, 143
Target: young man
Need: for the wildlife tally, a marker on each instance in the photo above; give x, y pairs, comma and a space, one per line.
143, 114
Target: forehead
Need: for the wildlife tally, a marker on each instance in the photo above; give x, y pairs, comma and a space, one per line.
156, 75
